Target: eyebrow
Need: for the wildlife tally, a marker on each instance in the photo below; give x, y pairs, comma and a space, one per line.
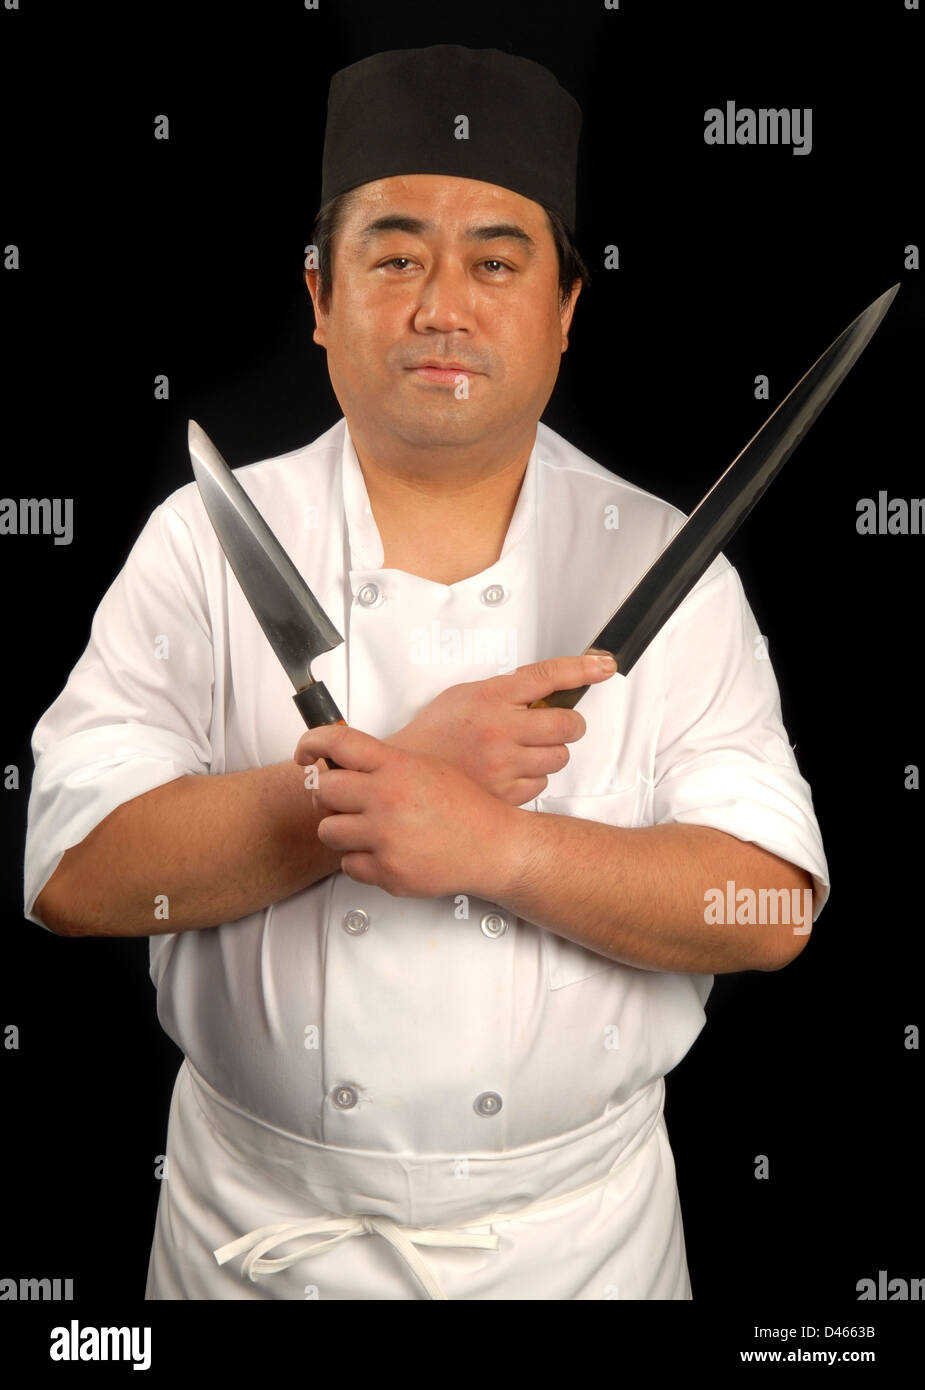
400, 222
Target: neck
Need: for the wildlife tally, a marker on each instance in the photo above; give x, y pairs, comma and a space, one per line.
484, 478
442, 521
443, 474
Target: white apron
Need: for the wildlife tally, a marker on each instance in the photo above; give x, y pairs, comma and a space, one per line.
249, 1211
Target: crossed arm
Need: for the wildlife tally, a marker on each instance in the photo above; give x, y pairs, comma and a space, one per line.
223, 846
665, 897
638, 895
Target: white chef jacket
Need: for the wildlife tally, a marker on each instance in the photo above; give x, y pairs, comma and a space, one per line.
359, 1023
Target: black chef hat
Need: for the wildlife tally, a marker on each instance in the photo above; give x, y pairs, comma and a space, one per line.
396, 113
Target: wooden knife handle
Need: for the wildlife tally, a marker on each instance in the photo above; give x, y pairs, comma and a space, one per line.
568, 699
316, 707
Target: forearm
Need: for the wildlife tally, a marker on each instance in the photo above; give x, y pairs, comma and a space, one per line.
208, 849
638, 895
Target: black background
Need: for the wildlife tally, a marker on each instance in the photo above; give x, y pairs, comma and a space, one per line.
185, 257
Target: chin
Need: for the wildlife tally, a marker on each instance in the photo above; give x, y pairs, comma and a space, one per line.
446, 425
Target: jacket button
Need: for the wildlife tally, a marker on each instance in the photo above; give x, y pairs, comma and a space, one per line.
368, 595
488, 1103
493, 594
493, 924
355, 921
344, 1097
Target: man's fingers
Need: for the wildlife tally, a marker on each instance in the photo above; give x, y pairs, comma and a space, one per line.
544, 728
344, 834
353, 750
541, 678
539, 761
340, 794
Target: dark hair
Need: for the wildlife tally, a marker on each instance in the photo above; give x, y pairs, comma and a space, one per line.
331, 215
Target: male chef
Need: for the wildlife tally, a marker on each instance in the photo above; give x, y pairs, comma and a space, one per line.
427, 999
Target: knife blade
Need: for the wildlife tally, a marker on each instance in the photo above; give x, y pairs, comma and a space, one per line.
717, 517
295, 624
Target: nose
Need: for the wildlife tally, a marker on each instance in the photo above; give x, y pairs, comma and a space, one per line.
445, 299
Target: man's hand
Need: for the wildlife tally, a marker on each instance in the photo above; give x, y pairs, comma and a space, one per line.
409, 823
487, 730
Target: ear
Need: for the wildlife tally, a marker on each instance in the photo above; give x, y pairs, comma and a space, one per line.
567, 310
312, 281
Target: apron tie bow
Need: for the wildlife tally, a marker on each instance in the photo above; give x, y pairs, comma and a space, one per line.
338, 1228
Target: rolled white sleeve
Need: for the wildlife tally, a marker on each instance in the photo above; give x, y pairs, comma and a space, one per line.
723, 758
136, 710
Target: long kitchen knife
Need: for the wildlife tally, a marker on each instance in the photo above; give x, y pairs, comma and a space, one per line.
721, 512
296, 626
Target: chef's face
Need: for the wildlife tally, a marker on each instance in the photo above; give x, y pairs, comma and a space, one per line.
428, 267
